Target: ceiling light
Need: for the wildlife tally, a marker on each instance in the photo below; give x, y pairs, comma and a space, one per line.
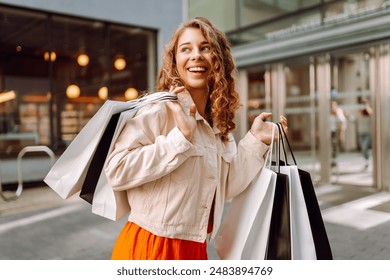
72, 91
83, 59
103, 93
7, 96
131, 93
120, 63
52, 56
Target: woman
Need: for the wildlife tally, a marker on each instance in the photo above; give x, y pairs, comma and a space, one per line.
178, 161
338, 123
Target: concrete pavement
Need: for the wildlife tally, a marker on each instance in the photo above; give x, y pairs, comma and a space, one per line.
357, 219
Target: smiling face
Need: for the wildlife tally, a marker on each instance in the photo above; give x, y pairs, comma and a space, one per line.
194, 60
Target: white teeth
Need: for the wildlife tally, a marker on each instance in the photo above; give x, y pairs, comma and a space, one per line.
197, 69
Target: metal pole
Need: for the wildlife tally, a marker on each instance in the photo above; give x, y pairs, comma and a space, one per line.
25, 150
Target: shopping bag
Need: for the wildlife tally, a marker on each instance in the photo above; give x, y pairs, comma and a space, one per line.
108, 203
96, 189
294, 240
67, 175
244, 232
291, 228
105, 201
98, 159
279, 235
109, 136
309, 237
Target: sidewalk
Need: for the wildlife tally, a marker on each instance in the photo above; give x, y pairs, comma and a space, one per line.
356, 216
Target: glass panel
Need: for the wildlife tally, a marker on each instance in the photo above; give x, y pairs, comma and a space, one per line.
352, 95
298, 105
79, 70
128, 61
24, 87
258, 93
56, 72
301, 110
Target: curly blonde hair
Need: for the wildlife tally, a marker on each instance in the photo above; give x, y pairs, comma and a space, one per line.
223, 100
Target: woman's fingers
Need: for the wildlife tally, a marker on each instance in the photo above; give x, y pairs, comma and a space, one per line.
185, 123
176, 90
264, 116
283, 121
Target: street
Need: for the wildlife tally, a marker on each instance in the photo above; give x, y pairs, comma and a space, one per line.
57, 229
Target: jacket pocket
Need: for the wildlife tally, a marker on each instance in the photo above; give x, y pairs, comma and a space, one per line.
188, 167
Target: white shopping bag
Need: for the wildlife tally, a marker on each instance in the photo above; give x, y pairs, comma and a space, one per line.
244, 232
302, 243
107, 202
67, 175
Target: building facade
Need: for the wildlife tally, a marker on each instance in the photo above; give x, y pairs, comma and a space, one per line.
295, 58
60, 62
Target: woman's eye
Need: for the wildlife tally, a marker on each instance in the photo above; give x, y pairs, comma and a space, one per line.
206, 48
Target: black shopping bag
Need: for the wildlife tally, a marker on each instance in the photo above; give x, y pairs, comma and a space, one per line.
279, 238
321, 242
98, 159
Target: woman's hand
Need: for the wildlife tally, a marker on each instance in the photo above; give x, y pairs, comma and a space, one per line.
262, 130
185, 123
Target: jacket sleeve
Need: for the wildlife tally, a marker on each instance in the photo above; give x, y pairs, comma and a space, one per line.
244, 164
146, 149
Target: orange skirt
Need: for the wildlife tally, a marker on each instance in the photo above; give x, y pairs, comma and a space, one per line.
136, 243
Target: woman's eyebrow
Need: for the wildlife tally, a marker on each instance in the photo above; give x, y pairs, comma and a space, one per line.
188, 43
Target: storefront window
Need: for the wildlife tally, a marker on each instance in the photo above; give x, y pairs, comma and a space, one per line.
258, 95
299, 109
78, 73
24, 84
56, 72
128, 62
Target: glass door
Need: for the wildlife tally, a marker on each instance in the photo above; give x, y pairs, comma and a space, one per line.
351, 118
300, 108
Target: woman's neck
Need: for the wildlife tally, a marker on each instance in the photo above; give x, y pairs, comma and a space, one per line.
200, 99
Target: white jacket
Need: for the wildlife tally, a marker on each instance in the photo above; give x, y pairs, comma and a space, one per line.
171, 182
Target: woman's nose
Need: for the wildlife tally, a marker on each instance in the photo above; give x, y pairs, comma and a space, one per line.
197, 54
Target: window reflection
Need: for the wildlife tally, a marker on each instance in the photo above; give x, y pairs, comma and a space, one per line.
61, 70
23, 70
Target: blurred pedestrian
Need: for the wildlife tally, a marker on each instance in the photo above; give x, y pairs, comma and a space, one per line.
178, 161
363, 121
338, 125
